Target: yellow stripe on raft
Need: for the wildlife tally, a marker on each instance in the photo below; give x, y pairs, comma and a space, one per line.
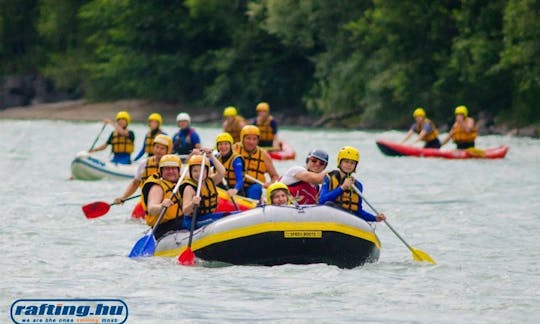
274, 227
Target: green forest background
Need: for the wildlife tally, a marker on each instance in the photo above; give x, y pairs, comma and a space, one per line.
371, 62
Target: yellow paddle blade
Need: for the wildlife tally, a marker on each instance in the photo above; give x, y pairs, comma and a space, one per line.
419, 255
475, 151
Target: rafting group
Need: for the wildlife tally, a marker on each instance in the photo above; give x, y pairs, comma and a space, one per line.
181, 197
463, 133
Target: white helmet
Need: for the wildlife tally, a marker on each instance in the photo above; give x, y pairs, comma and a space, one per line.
183, 116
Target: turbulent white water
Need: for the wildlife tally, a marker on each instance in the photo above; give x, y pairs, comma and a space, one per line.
479, 219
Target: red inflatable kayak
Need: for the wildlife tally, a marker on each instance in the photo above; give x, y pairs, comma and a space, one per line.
397, 149
286, 152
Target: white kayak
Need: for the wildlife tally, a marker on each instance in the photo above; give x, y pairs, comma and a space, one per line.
87, 167
275, 235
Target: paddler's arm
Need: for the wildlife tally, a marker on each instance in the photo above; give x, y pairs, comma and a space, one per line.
274, 176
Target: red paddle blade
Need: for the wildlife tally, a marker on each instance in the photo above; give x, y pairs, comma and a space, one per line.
96, 209
138, 211
187, 258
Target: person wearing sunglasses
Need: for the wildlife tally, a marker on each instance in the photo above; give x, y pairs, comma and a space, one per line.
304, 182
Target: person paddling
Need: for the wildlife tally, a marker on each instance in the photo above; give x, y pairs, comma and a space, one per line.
268, 127
186, 139
256, 160
121, 139
154, 124
233, 164
463, 131
337, 188
207, 200
233, 123
157, 193
304, 182
425, 128
162, 145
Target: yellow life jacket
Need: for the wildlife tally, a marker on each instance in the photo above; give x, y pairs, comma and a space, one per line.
430, 136
230, 177
173, 211
209, 194
349, 199
460, 136
253, 164
151, 167
235, 128
121, 144
149, 141
267, 134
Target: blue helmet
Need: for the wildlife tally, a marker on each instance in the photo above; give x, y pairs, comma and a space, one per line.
318, 154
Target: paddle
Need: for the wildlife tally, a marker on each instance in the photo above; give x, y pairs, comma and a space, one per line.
232, 198
146, 245
418, 255
187, 257
97, 138
100, 208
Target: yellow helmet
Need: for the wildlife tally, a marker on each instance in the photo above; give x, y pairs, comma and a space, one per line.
349, 153
197, 160
461, 110
419, 112
123, 115
156, 117
263, 106
230, 112
170, 160
249, 130
224, 137
273, 187
164, 140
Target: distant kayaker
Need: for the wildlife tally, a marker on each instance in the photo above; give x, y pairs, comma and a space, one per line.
154, 124
278, 194
121, 139
157, 192
268, 127
186, 139
233, 164
162, 145
207, 201
337, 188
304, 182
257, 162
464, 130
425, 128
233, 123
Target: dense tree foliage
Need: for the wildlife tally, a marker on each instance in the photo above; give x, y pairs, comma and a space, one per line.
370, 61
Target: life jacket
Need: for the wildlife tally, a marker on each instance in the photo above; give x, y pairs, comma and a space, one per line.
230, 177
151, 167
267, 135
430, 136
149, 141
349, 199
182, 144
121, 143
460, 136
173, 211
209, 194
235, 128
253, 164
304, 192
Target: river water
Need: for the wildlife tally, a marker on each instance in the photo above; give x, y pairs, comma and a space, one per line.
479, 219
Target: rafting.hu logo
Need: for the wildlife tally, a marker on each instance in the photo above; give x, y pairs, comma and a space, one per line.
69, 311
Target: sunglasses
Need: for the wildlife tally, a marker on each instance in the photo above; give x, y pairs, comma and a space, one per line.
314, 160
